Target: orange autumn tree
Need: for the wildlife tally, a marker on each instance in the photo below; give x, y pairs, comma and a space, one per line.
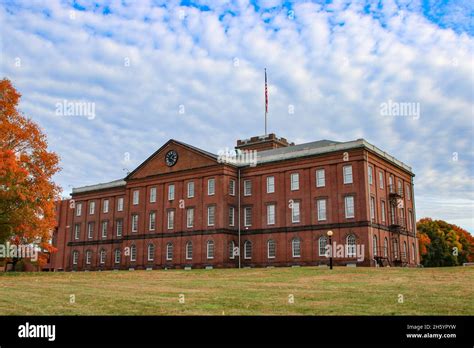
27, 192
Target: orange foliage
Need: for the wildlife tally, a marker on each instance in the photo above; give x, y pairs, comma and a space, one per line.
27, 192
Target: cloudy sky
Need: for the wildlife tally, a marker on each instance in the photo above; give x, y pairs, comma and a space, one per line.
193, 71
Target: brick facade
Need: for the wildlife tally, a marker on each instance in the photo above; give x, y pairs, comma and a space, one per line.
97, 231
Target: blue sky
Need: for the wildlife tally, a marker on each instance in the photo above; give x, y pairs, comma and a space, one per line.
193, 71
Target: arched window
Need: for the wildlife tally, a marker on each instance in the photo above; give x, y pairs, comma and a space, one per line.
323, 242
374, 241
133, 253
413, 251
210, 249
405, 254
296, 247
351, 245
151, 252
75, 257
169, 251
395, 248
231, 249
271, 249
88, 257
117, 256
102, 256
385, 247
248, 249
189, 250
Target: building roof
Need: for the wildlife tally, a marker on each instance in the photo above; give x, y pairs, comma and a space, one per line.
267, 156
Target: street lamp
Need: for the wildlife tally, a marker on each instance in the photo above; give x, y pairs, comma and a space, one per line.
329, 233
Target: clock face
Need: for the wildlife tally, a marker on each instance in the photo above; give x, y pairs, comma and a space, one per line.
171, 158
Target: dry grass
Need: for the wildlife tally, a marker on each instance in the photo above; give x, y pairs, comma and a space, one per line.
342, 291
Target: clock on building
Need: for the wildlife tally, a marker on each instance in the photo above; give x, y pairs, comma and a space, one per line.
171, 158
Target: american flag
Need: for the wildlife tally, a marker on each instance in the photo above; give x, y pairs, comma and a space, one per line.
266, 92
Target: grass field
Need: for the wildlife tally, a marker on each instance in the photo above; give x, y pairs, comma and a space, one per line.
266, 291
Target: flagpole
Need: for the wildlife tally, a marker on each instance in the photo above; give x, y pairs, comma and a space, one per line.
266, 101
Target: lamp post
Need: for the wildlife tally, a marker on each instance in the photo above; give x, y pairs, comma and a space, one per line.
329, 233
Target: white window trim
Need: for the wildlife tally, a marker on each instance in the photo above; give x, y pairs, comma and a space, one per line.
245, 216
232, 187
133, 248
293, 247
232, 222
344, 174
249, 184
105, 208
150, 220
119, 222
104, 230
318, 201
268, 214
171, 192
189, 257
148, 252
293, 216
120, 204
208, 244
323, 177
247, 257
78, 209
92, 208
294, 183
346, 207
209, 209
136, 197
270, 188
190, 189
169, 214
209, 186
169, 250
153, 194
134, 227
268, 249
189, 213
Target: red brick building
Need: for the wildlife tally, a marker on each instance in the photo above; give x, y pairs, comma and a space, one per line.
185, 207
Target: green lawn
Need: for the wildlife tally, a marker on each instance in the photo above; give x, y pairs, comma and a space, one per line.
267, 291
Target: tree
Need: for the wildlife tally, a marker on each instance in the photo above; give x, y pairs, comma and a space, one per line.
443, 244
27, 192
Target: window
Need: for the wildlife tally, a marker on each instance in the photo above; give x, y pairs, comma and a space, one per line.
323, 242
153, 195
383, 210
151, 252
248, 216
405, 253
136, 197
75, 257
247, 188
102, 256
320, 178
296, 247
134, 222
400, 187
171, 192
105, 207
88, 257
189, 217
270, 184
351, 246
170, 219
211, 187
381, 179
191, 189
133, 253
231, 216
395, 248
374, 245
210, 249
349, 206
390, 184
169, 251
385, 247
117, 256
231, 249
407, 192
271, 214
321, 206
347, 173
295, 212
371, 176
372, 208
295, 181
104, 229
78, 209
91, 208
413, 251
232, 187
120, 204
90, 230
211, 215
189, 251
248, 249
271, 249
152, 221
119, 228
77, 231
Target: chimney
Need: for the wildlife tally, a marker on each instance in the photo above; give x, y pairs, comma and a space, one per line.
262, 143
